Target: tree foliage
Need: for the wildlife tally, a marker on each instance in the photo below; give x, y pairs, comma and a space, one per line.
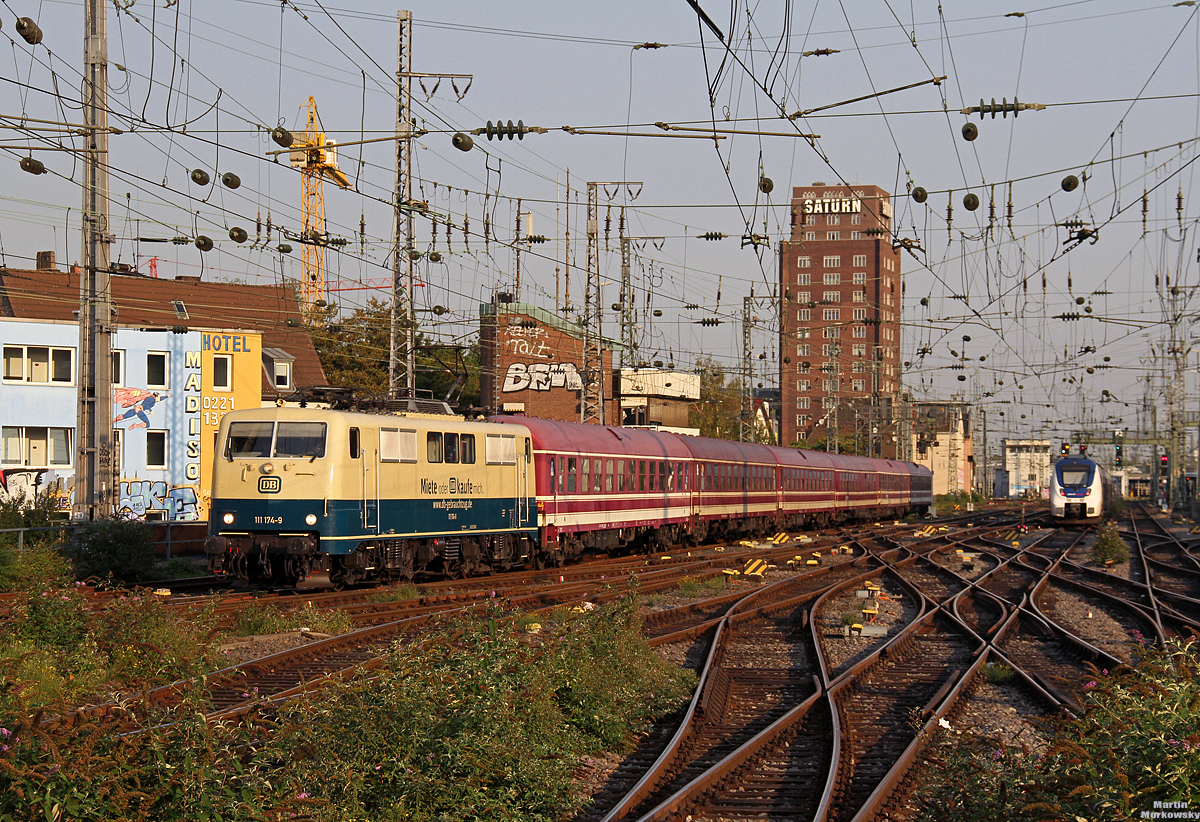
717, 413
355, 349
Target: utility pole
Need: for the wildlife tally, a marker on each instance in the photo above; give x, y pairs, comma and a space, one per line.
402, 334
628, 305
402, 364
591, 405
95, 480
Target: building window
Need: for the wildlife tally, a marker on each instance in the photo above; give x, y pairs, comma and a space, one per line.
803, 315
856, 235
802, 420
803, 333
832, 314
860, 278
156, 449
830, 332
803, 262
35, 447
831, 297
804, 402
828, 350
283, 374
833, 261
833, 219
860, 260
222, 372
832, 278
804, 296
858, 385
833, 235
859, 297
829, 402
156, 369
860, 313
810, 236
805, 367
804, 385
827, 385
855, 219
802, 350
38, 364
859, 350
803, 279
859, 367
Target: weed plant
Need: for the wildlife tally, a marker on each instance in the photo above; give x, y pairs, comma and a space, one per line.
1109, 546
255, 619
695, 588
478, 721
1138, 743
401, 592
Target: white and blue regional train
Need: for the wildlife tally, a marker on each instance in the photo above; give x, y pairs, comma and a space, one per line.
1080, 490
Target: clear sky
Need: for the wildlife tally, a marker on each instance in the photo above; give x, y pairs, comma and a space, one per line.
197, 84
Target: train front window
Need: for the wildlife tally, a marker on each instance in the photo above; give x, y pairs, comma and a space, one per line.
249, 439
1081, 475
300, 439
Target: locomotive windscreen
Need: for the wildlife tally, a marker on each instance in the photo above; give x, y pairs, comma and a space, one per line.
290, 439
1075, 474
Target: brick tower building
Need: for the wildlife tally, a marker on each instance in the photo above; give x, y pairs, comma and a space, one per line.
840, 319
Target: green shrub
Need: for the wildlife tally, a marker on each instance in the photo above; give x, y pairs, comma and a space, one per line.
851, 618
1109, 546
997, 673
400, 592
113, 548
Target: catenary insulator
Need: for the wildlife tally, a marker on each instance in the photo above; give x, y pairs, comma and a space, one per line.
230, 180
204, 243
199, 176
238, 235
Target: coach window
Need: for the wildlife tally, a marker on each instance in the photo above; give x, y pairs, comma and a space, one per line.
450, 448
571, 475
355, 453
433, 446
528, 451
586, 476
641, 483
608, 476
562, 473
466, 450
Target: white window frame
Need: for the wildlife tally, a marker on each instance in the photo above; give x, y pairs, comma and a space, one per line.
804, 402
833, 219
282, 368
860, 349
803, 315
858, 385
166, 441
859, 297
860, 278
831, 296
21, 443
832, 278
228, 384
26, 376
859, 260
803, 279
810, 236
803, 262
166, 355
860, 314
833, 261
833, 235
831, 314
804, 296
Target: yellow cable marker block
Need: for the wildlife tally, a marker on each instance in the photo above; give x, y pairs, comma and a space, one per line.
667, 557
811, 562
856, 627
732, 572
1016, 543
745, 543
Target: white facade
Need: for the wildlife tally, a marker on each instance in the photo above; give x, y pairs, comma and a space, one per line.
1028, 466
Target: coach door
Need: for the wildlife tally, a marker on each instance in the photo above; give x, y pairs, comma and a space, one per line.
524, 467
367, 454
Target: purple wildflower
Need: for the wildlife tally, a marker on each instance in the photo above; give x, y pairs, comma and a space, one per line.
1091, 684
5, 732
302, 795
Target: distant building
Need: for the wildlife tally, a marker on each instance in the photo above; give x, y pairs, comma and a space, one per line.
652, 398
1028, 465
942, 442
184, 353
841, 294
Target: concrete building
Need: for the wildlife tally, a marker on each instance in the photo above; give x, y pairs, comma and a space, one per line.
1028, 465
651, 398
942, 442
184, 353
841, 293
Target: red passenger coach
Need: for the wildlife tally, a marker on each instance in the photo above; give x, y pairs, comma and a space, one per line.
605, 488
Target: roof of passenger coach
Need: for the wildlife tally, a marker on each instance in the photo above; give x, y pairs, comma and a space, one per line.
552, 435
703, 448
804, 458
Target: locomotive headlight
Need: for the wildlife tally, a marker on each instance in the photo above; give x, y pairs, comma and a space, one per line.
268, 468
227, 519
311, 519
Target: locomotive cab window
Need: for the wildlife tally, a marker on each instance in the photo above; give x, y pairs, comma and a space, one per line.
355, 447
466, 449
450, 448
249, 439
300, 439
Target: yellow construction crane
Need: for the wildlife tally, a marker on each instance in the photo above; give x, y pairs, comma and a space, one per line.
316, 157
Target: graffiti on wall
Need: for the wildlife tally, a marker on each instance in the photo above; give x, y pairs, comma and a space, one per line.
542, 376
138, 403
154, 499
526, 341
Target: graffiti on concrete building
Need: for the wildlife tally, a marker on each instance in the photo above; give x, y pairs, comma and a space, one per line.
154, 500
541, 376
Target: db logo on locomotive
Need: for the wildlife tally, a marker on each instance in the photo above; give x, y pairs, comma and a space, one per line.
269, 485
